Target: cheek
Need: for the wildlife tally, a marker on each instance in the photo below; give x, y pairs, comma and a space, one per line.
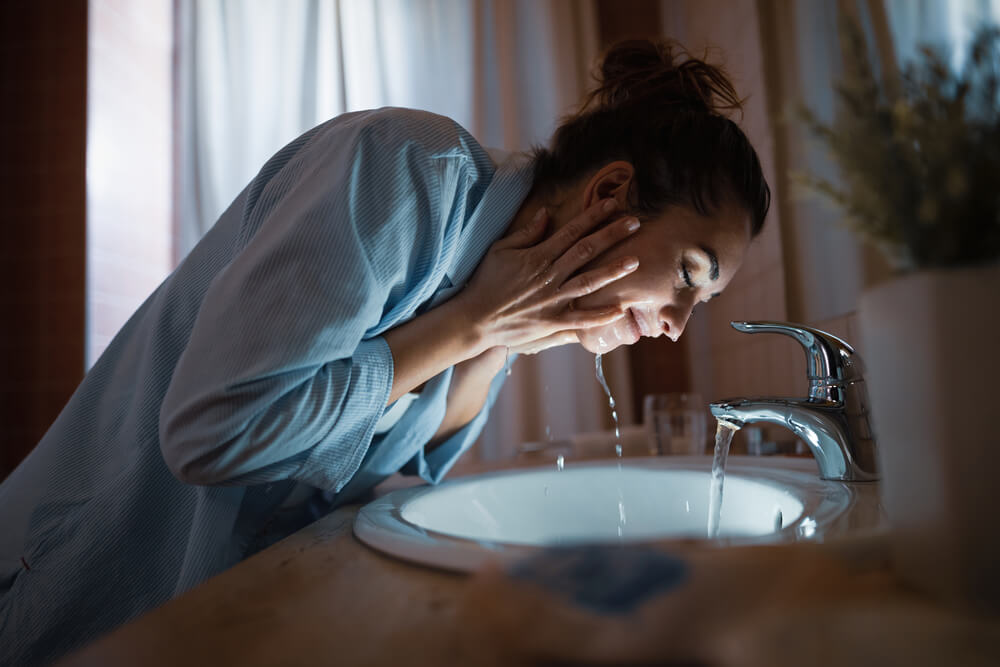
655, 275
649, 284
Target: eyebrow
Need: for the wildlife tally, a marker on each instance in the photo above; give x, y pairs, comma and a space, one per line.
714, 271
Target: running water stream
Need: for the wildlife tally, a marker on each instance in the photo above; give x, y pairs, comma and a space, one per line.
723, 438
599, 368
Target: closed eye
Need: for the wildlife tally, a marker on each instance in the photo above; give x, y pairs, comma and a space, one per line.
686, 275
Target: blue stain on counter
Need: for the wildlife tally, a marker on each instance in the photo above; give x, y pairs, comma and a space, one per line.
607, 579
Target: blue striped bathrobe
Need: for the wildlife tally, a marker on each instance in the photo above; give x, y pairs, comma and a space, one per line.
257, 367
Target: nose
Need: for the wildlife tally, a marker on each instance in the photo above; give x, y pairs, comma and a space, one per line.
674, 316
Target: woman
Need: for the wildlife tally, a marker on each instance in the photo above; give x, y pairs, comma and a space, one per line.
347, 317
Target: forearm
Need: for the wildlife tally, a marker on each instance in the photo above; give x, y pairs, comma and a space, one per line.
470, 386
214, 432
427, 345
519, 297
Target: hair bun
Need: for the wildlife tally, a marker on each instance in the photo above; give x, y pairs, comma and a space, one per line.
660, 73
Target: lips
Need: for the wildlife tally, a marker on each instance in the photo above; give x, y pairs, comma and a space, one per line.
634, 325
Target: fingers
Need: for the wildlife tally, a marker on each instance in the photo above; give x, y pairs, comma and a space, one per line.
575, 229
589, 247
593, 280
585, 319
553, 340
528, 235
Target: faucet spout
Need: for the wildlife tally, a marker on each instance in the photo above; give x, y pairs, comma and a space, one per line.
825, 428
832, 419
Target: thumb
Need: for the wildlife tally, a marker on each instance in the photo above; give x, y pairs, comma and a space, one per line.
552, 340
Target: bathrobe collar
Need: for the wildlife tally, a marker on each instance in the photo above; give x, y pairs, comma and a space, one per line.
502, 199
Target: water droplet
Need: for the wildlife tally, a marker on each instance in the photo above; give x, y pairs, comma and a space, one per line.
560, 462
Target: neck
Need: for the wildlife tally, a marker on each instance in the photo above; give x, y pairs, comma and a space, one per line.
553, 203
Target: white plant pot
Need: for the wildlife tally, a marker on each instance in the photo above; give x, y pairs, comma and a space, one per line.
931, 343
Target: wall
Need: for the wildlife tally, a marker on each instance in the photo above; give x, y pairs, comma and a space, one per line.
129, 161
43, 72
86, 187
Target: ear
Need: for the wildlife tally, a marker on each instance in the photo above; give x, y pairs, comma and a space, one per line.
612, 180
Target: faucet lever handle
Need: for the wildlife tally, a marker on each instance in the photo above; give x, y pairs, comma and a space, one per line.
829, 360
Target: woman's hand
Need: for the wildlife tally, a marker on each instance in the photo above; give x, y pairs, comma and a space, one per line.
521, 295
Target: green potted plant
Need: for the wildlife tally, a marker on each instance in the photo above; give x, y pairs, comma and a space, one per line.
919, 160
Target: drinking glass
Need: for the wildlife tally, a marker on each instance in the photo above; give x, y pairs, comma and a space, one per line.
675, 423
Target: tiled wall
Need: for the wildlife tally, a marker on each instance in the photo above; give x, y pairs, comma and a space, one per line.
129, 234
43, 78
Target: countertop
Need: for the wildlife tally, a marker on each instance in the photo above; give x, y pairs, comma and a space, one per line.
322, 597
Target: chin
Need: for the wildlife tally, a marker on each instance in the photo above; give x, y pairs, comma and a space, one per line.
606, 339
595, 348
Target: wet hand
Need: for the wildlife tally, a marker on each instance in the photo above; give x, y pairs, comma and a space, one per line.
522, 294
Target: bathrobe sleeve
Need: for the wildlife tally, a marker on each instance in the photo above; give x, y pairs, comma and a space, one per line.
286, 374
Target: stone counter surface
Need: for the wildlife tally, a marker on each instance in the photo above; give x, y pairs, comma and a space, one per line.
321, 597
317, 597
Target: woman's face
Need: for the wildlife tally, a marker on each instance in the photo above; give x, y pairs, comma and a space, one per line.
684, 259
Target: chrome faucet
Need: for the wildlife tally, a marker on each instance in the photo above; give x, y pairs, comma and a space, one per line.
833, 419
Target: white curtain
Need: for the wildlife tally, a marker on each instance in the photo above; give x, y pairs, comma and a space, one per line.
949, 25
254, 74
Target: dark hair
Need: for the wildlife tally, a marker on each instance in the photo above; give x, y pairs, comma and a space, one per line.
662, 110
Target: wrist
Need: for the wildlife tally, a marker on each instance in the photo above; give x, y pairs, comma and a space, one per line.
493, 359
469, 330
426, 345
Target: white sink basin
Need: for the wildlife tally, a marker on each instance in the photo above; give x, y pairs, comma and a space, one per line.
464, 522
